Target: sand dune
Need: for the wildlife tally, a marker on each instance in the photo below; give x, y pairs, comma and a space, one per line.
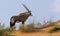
17, 33
42, 32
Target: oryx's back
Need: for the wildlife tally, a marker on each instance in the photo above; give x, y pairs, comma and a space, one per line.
20, 17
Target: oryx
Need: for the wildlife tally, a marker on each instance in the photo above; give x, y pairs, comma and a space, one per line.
22, 17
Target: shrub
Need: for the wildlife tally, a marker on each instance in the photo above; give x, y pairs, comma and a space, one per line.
1, 33
27, 28
4, 31
55, 28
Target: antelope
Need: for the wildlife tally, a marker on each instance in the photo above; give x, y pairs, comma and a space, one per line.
22, 17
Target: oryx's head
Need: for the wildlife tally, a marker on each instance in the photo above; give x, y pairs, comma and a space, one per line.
27, 9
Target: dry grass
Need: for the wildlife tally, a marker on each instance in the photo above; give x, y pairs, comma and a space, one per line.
5, 31
28, 28
54, 29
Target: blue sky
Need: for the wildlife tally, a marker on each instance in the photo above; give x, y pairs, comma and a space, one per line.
41, 10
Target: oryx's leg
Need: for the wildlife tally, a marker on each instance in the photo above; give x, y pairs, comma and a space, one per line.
12, 24
23, 24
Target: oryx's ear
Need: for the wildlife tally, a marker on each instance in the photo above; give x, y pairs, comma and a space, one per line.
25, 7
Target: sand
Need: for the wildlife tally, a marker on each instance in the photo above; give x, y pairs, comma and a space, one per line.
42, 32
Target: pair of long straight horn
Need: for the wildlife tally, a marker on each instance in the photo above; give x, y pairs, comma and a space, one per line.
25, 7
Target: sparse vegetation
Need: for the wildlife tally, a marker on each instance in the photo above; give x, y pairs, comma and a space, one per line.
5, 31
54, 29
28, 28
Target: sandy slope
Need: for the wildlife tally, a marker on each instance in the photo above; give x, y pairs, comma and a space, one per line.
18, 33
42, 32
